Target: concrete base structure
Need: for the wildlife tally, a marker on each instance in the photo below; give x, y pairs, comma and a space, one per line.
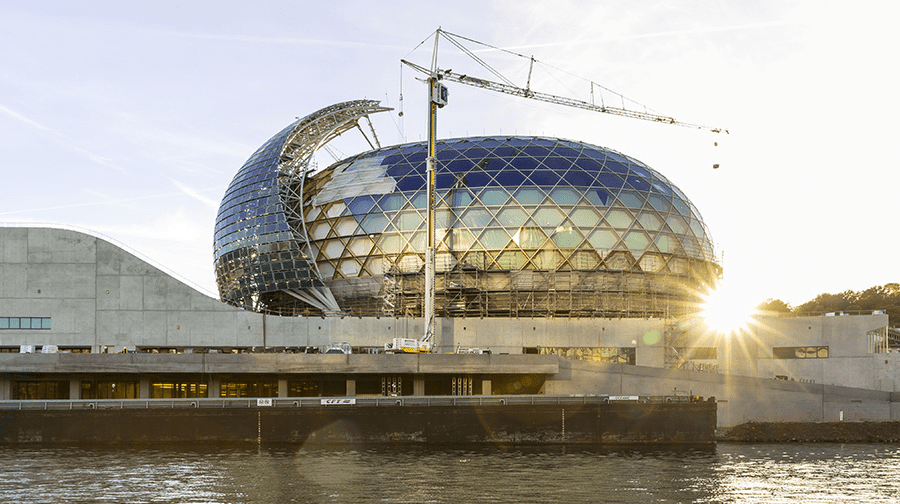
90, 300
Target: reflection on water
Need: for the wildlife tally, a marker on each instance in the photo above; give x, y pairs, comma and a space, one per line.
725, 473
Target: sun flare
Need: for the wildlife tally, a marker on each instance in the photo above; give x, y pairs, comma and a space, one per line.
726, 311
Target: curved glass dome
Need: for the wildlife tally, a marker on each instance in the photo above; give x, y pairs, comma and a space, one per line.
524, 226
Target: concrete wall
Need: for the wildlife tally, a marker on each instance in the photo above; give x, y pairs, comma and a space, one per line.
740, 399
99, 295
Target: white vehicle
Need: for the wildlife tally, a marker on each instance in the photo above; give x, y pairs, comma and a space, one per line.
407, 345
336, 348
477, 351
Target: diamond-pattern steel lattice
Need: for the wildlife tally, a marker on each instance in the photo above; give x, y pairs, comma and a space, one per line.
506, 204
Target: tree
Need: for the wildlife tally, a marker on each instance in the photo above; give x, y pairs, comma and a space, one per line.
885, 297
774, 306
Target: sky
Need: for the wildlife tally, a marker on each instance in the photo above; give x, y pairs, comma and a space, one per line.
129, 119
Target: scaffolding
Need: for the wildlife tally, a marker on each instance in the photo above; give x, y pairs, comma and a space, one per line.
471, 292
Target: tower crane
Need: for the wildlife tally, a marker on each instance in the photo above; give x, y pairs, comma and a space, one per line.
437, 98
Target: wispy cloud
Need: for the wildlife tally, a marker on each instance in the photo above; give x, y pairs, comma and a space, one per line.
637, 36
92, 203
193, 193
19, 117
259, 39
61, 139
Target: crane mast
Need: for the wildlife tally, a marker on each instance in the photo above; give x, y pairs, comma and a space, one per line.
437, 98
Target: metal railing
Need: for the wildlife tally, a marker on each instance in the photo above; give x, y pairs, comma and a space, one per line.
306, 402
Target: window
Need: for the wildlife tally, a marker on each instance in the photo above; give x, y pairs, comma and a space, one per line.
804, 352
608, 355
177, 390
24, 322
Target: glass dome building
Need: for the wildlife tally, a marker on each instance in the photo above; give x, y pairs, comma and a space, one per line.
525, 226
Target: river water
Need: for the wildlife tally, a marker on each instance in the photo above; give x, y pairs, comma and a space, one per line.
726, 473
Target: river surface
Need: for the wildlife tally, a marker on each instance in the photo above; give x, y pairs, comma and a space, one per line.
726, 473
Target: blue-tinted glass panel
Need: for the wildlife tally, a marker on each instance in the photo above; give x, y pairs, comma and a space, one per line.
505, 152
640, 171
557, 164
631, 200
599, 197
475, 153
681, 206
476, 179
446, 155
510, 179
639, 183
444, 181
565, 152
374, 223
659, 203
460, 165
391, 202
361, 204
610, 180
399, 170
594, 154
578, 178
524, 164
495, 164
493, 197
462, 197
420, 200
411, 183
616, 167
565, 196
543, 178
529, 196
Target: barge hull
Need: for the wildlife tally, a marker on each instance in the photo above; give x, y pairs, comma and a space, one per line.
392, 422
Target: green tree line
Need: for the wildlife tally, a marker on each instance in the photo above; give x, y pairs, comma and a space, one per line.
881, 297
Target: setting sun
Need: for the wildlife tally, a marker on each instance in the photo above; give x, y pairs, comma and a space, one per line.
726, 311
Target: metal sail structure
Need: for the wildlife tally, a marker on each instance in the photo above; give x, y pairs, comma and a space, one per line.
264, 260
316, 130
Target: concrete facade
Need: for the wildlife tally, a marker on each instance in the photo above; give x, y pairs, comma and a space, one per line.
101, 298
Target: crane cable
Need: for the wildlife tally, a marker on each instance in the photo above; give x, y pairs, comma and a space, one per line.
452, 36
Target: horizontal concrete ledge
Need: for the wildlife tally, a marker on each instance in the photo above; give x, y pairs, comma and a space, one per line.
280, 363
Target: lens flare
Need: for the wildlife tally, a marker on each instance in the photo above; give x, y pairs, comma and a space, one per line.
726, 311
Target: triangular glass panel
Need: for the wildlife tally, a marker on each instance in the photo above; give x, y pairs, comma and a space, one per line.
619, 219
565, 196
567, 237
660, 203
511, 260
529, 196
547, 260
584, 218
529, 237
494, 239
548, 216
636, 241
603, 239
